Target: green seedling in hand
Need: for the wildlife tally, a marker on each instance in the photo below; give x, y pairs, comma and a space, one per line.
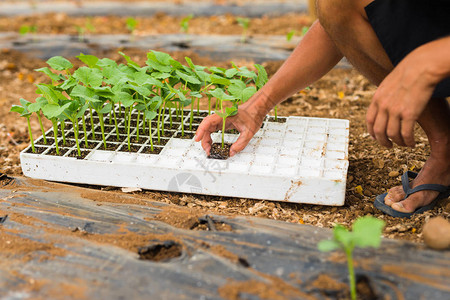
24, 112
290, 35
245, 24
184, 24
224, 112
366, 232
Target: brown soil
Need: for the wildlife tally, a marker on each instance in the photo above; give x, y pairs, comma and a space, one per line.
161, 251
133, 148
62, 151
340, 94
148, 150
109, 146
278, 120
187, 135
217, 152
113, 138
90, 145
158, 24
162, 141
38, 150
74, 153
232, 131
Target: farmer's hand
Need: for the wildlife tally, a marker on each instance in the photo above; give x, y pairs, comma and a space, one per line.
401, 98
247, 121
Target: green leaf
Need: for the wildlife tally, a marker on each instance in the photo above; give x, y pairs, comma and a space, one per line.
262, 78
161, 57
34, 107
139, 89
175, 64
231, 111
188, 78
125, 98
82, 110
130, 62
53, 110
49, 73
68, 83
89, 60
105, 109
89, 77
17, 108
216, 79
48, 92
59, 63
236, 88
367, 232
247, 93
243, 22
84, 93
342, 235
190, 63
106, 62
131, 24
220, 94
327, 245
150, 115
230, 73
290, 35
217, 70
159, 75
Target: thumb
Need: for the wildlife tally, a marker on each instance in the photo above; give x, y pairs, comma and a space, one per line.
240, 143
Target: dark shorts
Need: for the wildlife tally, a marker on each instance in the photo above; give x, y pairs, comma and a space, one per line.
404, 25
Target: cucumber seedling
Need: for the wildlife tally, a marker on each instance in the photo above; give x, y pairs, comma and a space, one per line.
24, 112
366, 232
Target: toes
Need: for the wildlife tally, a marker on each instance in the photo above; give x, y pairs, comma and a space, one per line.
404, 206
394, 195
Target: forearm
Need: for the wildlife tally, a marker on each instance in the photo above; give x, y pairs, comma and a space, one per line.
314, 56
435, 58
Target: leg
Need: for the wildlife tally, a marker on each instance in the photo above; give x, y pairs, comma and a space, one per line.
346, 23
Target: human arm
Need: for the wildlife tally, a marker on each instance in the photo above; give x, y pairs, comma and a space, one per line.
314, 56
403, 95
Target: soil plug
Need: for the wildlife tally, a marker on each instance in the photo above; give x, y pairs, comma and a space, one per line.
436, 233
366, 232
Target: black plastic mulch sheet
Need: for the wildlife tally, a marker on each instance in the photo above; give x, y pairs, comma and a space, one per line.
278, 256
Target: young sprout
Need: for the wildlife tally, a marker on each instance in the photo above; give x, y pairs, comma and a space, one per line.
132, 23
290, 35
36, 108
366, 232
224, 112
24, 112
184, 24
245, 24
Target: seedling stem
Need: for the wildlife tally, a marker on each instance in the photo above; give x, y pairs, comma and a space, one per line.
31, 135
42, 127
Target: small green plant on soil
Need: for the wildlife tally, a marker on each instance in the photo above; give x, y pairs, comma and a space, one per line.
105, 91
290, 35
184, 24
366, 232
245, 24
132, 24
81, 30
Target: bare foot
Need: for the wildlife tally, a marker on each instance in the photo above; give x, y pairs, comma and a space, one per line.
434, 171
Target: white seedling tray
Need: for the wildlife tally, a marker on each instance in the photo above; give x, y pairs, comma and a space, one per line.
303, 160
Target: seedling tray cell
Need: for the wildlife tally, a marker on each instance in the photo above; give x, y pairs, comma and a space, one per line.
303, 160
